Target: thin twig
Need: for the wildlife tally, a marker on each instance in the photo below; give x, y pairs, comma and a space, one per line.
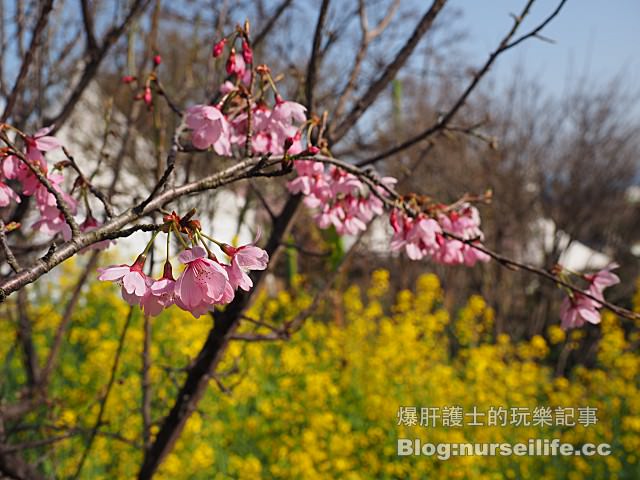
372, 93
87, 18
27, 58
367, 37
103, 403
171, 164
25, 337
445, 119
96, 193
314, 60
271, 22
54, 351
6, 249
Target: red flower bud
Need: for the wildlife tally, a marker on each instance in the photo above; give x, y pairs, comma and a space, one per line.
231, 62
168, 271
157, 60
288, 143
147, 96
228, 249
218, 48
262, 70
247, 53
128, 79
393, 220
312, 150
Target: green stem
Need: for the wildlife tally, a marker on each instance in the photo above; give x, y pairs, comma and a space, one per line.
211, 239
148, 247
184, 244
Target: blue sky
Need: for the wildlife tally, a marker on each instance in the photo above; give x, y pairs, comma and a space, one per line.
596, 39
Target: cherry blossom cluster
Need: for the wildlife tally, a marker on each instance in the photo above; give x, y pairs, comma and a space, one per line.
238, 119
449, 237
203, 283
342, 200
576, 309
19, 170
273, 130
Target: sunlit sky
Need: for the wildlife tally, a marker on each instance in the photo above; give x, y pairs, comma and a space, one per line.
593, 38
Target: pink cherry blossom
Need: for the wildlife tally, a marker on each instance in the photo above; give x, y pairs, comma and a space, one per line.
7, 195
51, 219
236, 65
243, 259
52, 222
427, 237
311, 181
130, 277
574, 312
286, 112
13, 168
161, 293
451, 251
271, 128
578, 309
42, 141
601, 280
202, 283
343, 200
419, 237
210, 129
227, 87
330, 215
465, 224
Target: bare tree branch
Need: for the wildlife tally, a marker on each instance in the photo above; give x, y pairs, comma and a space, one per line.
93, 64
312, 66
36, 38
8, 253
271, 22
389, 73
89, 28
445, 119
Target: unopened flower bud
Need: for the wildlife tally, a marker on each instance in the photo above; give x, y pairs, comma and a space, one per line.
168, 271
128, 79
231, 62
147, 96
393, 220
228, 249
312, 150
263, 70
247, 53
157, 60
288, 143
218, 48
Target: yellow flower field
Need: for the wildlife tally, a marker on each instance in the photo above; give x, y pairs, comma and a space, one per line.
325, 404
